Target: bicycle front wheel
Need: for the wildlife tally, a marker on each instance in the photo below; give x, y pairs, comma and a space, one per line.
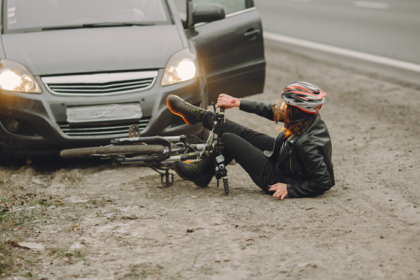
112, 151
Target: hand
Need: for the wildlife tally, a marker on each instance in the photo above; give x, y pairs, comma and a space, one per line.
227, 101
280, 190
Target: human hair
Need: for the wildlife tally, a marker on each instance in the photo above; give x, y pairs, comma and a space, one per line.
281, 113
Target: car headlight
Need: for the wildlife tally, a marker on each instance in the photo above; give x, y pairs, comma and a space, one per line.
181, 67
15, 77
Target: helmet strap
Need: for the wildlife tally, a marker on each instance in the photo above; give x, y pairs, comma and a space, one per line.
299, 120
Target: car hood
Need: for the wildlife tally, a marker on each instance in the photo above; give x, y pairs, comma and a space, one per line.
93, 50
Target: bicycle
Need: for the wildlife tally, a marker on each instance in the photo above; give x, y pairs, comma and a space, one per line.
159, 153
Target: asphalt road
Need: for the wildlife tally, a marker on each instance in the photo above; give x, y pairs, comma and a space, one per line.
387, 28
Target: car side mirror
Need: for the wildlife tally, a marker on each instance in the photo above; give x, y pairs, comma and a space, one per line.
207, 12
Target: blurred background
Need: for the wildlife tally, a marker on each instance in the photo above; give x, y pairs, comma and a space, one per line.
385, 28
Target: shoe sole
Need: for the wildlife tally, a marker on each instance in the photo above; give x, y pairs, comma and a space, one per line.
186, 179
176, 112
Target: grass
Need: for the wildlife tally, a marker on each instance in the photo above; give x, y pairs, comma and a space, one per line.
71, 177
57, 252
27, 208
10, 222
16, 216
13, 220
144, 270
98, 202
78, 254
6, 261
10, 219
15, 261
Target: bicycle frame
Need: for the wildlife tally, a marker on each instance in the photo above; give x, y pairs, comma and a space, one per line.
175, 148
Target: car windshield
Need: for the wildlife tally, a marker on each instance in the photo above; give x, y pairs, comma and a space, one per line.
24, 15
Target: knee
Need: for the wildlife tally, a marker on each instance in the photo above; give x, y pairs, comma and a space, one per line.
228, 139
227, 135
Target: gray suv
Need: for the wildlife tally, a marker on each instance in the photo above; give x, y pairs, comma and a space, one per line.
76, 73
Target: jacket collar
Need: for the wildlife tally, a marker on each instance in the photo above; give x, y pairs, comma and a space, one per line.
292, 139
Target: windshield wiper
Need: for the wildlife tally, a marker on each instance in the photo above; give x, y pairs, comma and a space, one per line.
95, 25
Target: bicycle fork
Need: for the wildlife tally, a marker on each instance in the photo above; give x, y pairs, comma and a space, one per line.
220, 170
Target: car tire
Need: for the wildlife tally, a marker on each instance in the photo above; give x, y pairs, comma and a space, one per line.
6, 160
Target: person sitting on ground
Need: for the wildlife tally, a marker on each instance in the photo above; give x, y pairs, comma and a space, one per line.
297, 163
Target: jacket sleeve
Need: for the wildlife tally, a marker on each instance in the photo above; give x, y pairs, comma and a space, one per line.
319, 178
262, 109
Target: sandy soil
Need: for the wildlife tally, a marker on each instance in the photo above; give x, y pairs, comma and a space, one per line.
100, 223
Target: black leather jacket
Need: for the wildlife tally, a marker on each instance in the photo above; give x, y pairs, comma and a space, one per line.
306, 167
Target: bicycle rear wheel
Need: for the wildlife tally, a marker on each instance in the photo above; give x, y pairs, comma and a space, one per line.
112, 151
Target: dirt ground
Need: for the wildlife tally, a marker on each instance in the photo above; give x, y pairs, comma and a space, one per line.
97, 222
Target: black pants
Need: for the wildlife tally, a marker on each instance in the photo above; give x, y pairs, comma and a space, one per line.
246, 146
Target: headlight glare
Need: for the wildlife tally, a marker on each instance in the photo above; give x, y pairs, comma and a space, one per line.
186, 69
181, 67
15, 77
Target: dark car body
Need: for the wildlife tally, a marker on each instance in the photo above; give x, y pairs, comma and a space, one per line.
112, 66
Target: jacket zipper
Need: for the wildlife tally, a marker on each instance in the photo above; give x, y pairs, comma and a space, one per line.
291, 162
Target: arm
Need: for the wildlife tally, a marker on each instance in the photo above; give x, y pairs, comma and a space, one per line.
257, 107
320, 180
260, 108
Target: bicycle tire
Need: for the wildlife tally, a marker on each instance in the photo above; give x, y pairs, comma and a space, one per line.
112, 151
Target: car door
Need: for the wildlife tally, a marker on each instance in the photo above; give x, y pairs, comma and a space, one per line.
232, 49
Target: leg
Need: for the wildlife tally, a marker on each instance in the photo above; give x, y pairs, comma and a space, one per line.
260, 140
241, 143
261, 169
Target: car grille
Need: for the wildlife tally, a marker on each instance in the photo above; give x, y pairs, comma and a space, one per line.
100, 84
120, 130
113, 87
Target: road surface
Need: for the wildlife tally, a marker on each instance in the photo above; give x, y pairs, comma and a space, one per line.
387, 28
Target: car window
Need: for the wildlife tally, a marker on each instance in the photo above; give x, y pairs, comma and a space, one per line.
231, 6
24, 14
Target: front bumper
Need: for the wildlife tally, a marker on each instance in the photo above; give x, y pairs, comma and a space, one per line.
43, 113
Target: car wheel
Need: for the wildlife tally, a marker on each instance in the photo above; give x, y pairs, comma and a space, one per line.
5, 160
